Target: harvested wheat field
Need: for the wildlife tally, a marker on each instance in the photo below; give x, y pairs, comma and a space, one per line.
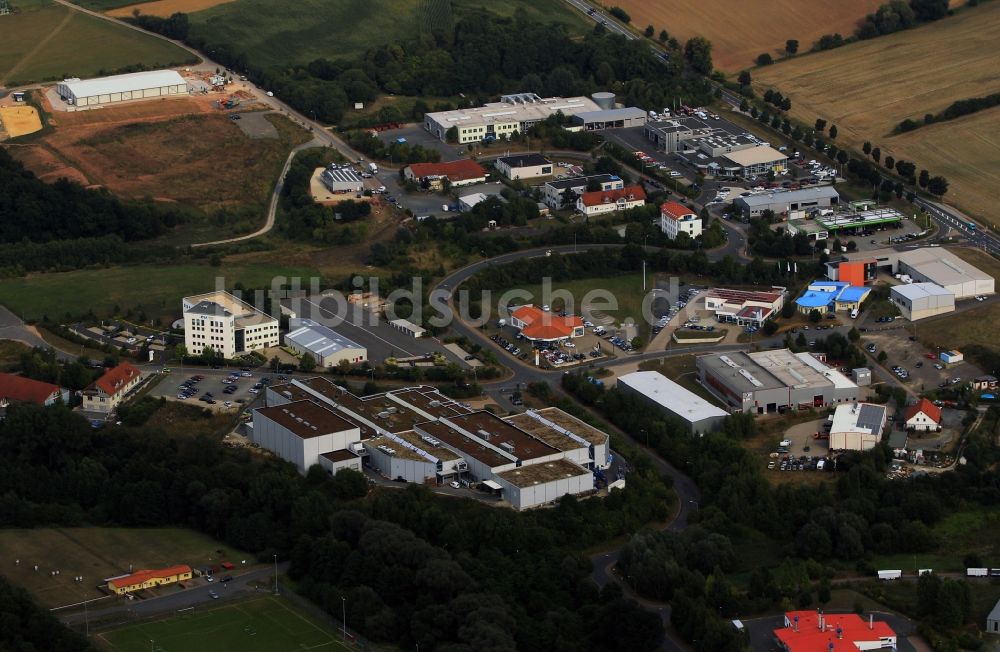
19, 120
867, 88
739, 31
165, 8
966, 151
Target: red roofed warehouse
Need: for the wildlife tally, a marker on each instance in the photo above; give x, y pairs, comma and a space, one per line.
677, 218
607, 201
543, 326
18, 389
812, 631
105, 393
145, 579
923, 416
458, 173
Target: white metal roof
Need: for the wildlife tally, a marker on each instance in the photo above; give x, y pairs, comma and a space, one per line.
318, 339
839, 380
678, 400
133, 81
914, 291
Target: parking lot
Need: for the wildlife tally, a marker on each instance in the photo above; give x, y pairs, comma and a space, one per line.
909, 360
375, 334
415, 134
214, 389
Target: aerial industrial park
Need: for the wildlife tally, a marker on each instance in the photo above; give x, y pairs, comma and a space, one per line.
451, 326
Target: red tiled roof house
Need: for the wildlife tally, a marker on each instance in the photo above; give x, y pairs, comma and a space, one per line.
458, 173
105, 393
18, 389
923, 416
608, 201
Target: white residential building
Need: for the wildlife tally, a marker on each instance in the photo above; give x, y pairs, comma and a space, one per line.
676, 218
609, 201
227, 325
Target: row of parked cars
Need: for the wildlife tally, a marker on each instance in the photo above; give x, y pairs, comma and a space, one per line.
801, 463
507, 346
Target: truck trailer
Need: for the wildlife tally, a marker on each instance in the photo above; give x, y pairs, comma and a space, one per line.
977, 572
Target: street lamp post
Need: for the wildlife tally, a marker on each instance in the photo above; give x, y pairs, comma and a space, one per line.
343, 613
276, 574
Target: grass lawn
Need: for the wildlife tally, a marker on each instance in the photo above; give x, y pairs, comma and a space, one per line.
264, 624
46, 41
10, 353
278, 34
190, 420
156, 289
972, 332
97, 553
617, 297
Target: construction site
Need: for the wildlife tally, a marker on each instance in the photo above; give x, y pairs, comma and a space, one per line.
213, 147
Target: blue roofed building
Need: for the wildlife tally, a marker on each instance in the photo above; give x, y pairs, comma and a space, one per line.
831, 296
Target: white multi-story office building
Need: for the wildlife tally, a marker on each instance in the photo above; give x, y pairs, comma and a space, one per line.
229, 326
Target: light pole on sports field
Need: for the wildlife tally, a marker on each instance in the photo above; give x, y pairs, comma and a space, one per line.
343, 613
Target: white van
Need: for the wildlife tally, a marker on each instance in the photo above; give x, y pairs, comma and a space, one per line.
854, 314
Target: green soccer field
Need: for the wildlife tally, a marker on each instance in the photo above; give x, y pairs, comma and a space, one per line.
264, 624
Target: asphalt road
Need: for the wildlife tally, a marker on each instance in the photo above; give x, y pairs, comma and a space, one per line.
12, 327
945, 216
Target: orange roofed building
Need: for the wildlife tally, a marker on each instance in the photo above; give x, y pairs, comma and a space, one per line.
812, 631
923, 416
458, 173
19, 389
608, 201
105, 393
543, 326
145, 579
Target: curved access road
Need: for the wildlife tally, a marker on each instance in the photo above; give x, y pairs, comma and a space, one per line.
272, 208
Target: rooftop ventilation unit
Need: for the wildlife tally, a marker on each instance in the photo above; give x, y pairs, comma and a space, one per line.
484, 434
507, 446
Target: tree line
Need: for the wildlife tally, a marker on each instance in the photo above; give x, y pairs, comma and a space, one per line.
955, 110
451, 575
888, 18
33, 211
860, 515
479, 54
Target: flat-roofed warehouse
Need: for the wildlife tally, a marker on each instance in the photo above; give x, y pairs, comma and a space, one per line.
698, 414
933, 265
341, 180
513, 114
301, 431
326, 346
857, 427
122, 88
788, 200
921, 300
610, 119
941, 267
773, 381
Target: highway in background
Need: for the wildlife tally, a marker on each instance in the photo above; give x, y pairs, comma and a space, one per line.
946, 217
